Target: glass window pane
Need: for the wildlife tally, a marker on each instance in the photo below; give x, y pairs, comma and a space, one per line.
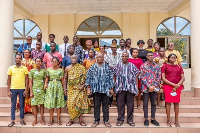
108, 41
104, 22
85, 33
180, 23
19, 25
34, 32
17, 43
162, 31
16, 34
28, 26
186, 31
93, 23
112, 30
180, 44
170, 24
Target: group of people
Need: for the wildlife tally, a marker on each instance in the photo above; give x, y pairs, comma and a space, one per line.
53, 76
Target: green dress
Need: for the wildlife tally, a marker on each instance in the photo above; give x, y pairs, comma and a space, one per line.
38, 86
54, 97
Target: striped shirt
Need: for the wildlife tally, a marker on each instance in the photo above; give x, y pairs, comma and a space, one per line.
126, 77
100, 78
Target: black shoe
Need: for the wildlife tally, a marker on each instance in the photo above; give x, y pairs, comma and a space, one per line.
155, 122
146, 123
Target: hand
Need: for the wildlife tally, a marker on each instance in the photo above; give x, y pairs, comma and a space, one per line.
174, 89
25, 93
31, 94
10, 94
65, 93
89, 92
45, 86
176, 86
81, 87
151, 88
111, 91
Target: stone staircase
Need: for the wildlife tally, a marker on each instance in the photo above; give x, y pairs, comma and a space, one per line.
189, 119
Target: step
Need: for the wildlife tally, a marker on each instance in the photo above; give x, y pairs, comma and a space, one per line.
138, 117
76, 128
113, 109
184, 101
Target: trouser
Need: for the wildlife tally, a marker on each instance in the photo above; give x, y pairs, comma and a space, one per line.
127, 98
152, 96
16, 92
101, 98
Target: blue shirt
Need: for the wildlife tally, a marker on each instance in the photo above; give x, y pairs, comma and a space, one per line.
67, 61
100, 78
23, 47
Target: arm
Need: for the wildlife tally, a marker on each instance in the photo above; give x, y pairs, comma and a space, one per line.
44, 65
166, 81
26, 83
65, 80
143, 77
8, 84
182, 79
30, 86
157, 78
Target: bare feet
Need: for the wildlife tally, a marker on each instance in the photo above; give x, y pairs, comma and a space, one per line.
34, 123
42, 122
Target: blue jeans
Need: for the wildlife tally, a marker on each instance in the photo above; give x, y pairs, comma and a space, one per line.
16, 92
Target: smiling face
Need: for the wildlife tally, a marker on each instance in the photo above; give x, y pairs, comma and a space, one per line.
91, 53
65, 39
38, 62
149, 57
100, 58
27, 53
53, 47
74, 59
18, 59
156, 46
172, 59
128, 43
122, 43
150, 43
55, 62
170, 46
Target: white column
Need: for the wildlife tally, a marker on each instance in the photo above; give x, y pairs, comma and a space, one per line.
195, 47
6, 38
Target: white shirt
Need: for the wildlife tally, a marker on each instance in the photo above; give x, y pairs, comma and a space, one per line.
33, 45
121, 51
62, 48
113, 60
109, 51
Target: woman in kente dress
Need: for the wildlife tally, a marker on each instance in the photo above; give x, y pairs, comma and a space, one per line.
78, 102
28, 62
37, 92
54, 97
90, 60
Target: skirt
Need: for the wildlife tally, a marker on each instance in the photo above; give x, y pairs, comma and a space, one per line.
168, 97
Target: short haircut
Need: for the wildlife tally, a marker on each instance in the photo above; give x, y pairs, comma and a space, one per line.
114, 40
150, 39
128, 39
132, 49
52, 35
18, 55
156, 43
140, 41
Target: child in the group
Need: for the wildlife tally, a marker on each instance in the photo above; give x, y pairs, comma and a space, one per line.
160, 60
137, 62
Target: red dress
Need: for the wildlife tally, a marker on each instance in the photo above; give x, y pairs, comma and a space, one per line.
137, 62
172, 74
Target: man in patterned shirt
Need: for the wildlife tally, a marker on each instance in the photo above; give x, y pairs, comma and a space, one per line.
78, 49
126, 88
38, 52
99, 81
25, 46
150, 75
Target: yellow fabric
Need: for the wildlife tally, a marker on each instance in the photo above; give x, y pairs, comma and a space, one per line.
179, 58
152, 49
17, 76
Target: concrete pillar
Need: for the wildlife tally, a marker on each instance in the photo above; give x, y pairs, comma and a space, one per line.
6, 39
195, 47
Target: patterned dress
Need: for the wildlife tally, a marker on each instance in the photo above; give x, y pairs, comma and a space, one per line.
54, 97
87, 63
38, 86
78, 102
30, 64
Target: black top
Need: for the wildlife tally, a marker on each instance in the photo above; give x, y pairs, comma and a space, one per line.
142, 54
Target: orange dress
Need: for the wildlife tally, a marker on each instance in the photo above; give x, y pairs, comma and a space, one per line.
87, 63
30, 64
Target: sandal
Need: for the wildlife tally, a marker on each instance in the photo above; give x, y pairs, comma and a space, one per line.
82, 123
59, 122
22, 122
169, 124
50, 123
176, 124
34, 123
43, 123
139, 107
158, 106
69, 123
11, 124
119, 123
132, 124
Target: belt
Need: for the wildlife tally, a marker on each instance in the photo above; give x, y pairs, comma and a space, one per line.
54, 80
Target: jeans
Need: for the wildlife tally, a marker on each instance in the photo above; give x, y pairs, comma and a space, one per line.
98, 99
16, 92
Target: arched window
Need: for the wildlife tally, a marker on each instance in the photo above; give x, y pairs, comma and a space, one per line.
22, 29
99, 28
177, 30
